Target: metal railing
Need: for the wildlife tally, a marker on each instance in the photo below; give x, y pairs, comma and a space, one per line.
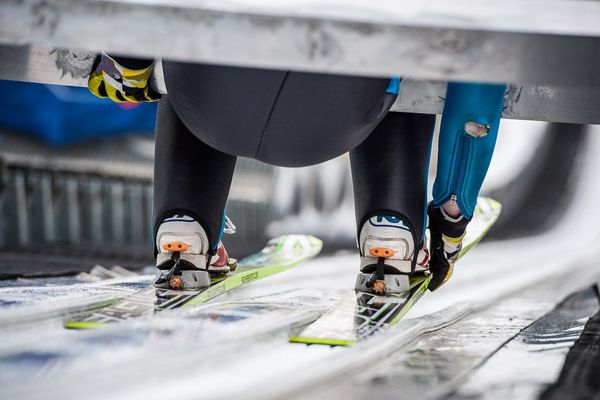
65, 206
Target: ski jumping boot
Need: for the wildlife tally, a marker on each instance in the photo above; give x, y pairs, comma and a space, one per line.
447, 235
387, 256
184, 260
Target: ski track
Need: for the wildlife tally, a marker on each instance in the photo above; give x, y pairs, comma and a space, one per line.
183, 354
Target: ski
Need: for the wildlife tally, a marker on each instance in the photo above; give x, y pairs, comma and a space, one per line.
280, 254
359, 315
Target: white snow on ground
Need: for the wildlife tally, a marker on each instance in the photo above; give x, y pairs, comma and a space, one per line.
185, 364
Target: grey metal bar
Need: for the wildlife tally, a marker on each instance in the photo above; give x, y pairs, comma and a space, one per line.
530, 102
135, 212
47, 207
548, 42
73, 210
544, 103
149, 213
93, 207
22, 209
117, 212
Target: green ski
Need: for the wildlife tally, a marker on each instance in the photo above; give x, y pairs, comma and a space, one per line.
359, 315
280, 254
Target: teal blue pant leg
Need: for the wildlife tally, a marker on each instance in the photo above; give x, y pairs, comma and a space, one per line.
468, 135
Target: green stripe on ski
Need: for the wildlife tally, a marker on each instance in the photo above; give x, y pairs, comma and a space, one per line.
239, 279
281, 254
245, 273
330, 342
412, 300
359, 314
84, 325
495, 209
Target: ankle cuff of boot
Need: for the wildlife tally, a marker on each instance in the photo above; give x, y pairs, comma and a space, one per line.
446, 225
449, 218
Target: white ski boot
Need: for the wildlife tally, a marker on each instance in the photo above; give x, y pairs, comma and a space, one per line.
183, 260
387, 256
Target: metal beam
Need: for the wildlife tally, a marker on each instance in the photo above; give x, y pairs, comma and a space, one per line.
543, 103
547, 42
529, 102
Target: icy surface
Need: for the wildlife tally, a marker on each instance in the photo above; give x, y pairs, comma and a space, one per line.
236, 346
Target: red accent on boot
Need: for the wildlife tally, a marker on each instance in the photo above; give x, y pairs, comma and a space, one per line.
219, 260
425, 259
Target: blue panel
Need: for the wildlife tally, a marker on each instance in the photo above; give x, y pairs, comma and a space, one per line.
394, 86
62, 115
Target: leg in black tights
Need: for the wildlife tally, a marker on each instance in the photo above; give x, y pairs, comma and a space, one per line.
189, 177
390, 170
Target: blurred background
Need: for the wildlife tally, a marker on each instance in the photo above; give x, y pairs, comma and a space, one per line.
76, 184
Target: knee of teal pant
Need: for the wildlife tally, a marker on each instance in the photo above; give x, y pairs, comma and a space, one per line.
468, 133
394, 85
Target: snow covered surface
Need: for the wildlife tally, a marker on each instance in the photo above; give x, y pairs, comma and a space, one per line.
236, 346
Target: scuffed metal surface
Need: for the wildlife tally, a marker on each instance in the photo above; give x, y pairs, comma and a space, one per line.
579, 376
244, 335
504, 351
545, 103
76, 63
524, 366
481, 41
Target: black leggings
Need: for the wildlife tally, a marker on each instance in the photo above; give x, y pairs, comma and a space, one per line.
214, 114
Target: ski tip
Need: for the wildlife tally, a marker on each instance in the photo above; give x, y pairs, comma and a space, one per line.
83, 325
321, 341
298, 240
487, 205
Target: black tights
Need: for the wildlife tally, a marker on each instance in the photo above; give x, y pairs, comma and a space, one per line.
285, 118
